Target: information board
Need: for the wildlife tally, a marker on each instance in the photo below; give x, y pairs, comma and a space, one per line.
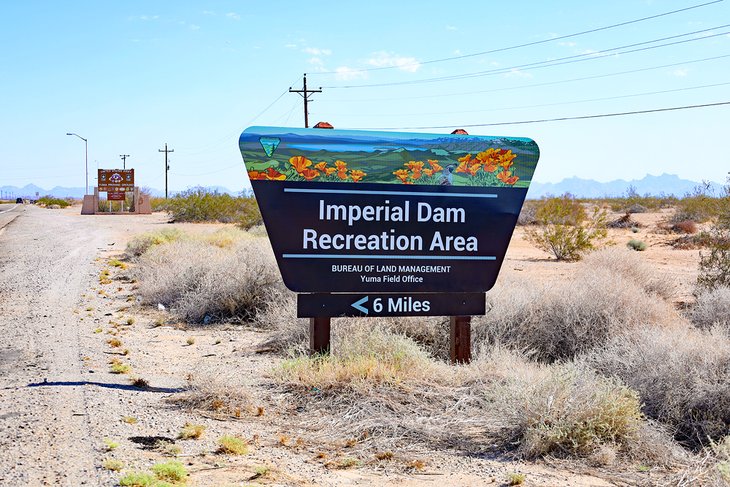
115, 180
384, 212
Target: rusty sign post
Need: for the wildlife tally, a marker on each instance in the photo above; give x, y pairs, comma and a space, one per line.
388, 224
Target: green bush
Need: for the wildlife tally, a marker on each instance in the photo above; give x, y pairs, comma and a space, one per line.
201, 205
50, 200
636, 245
565, 229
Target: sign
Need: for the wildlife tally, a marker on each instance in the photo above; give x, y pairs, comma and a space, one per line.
382, 212
110, 196
115, 180
374, 305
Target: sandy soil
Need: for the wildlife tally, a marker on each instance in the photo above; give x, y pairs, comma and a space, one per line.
63, 413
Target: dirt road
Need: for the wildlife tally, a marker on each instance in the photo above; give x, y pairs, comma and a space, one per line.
46, 265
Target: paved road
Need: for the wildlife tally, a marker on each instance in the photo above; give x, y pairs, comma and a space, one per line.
8, 213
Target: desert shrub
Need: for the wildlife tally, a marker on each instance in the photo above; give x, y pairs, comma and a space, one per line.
204, 283
571, 316
142, 243
564, 410
685, 226
232, 445
138, 479
528, 212
565, 229
682, 376
201, 205
637, 245
712, 308
715, 264
630, 266
51, 200
624, 221
697, 207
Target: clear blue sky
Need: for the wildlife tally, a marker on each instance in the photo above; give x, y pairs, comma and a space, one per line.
132, 75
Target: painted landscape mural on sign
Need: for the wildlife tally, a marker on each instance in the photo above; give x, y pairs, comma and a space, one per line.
277, 154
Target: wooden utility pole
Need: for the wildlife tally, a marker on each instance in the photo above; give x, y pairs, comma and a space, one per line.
124, 160
167, 166
304, 92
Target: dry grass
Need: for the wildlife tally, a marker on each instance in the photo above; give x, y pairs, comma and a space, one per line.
570, 316
712, 309
219, 284
681, 374
363, 357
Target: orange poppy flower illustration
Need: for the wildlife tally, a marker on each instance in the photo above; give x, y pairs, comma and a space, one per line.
507, 178
357, 175
299, 163
255, 175
329, 170
341, 169
309, 174
402, 174
415, 166
321, 166
466, 159
428, 172
274, 175
435, 167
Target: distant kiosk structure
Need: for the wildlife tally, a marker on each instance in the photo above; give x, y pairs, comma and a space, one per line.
116, 183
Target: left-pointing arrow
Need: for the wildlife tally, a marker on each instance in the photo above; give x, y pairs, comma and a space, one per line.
358, 305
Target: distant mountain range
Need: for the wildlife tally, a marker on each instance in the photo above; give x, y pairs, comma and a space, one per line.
665, 184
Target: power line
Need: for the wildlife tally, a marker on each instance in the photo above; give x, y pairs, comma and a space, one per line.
572, 102
528, 44
546, 83
554, 62
559, 119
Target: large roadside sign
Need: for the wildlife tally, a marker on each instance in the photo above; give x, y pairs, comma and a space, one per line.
115, 180
383, 212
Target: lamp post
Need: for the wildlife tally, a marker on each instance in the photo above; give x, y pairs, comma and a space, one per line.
86, 145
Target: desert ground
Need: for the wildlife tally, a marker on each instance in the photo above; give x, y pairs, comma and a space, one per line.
63, 413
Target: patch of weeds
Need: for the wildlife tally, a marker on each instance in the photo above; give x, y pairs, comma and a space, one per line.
190, 341
129, 419
125, 351
130, 321
284, 440
140, 383
168, 448
114, 342
232, 445
116, 366
386, 455
104, 277
515, 479
261, 472
90, 308
191, 431
109, 444
118, 263
138, 479
417, 465
260, 411
113, 464
98, 330
637, 245
348, 462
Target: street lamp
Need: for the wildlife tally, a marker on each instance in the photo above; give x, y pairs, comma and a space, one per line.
86, 144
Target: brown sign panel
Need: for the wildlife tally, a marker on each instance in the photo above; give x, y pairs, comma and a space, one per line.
116, 180
111, 196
